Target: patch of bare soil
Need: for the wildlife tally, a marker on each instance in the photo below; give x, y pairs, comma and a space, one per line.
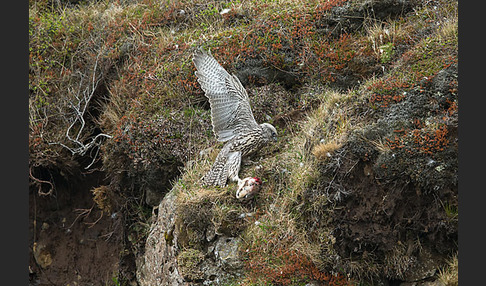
71, 241
407, 232
391, 211
391, 231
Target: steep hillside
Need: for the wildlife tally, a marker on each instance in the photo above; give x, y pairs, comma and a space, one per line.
360, 189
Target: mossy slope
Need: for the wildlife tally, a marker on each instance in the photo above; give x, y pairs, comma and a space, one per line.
363, 181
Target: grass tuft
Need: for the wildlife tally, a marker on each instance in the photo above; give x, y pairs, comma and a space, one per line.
449, 276
324, 150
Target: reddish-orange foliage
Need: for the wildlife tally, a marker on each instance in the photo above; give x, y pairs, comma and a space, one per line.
419, 141
387, 91
291, 266
422, 70
286, 267
430, 143
313, 54
452, 107
35, 135
326, 5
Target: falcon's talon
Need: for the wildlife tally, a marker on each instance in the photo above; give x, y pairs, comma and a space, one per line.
232, 121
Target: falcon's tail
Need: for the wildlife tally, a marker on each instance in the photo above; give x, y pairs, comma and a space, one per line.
218, 174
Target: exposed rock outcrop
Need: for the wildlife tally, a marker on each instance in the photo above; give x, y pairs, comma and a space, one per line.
170, 260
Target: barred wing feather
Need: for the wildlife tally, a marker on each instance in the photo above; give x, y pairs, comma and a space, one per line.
230, 107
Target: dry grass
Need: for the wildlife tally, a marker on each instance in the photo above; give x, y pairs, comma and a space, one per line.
188, 187
329, 121
449, 276
103, 197
324, 151
448, 30
291, 173
115, 109
384, 36
379, 144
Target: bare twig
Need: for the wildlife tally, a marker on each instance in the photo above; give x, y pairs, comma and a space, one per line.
41, 193
83, 98
85, 213
107, 236
81, 213
91, 224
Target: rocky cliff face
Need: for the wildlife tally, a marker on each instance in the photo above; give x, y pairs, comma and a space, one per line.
170, 260
159, 266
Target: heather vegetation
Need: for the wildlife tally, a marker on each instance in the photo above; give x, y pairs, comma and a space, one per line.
360, 189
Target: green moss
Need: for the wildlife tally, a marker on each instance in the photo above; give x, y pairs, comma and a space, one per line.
188, 261
387, 52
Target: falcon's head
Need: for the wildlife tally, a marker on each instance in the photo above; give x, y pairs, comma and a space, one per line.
269, 132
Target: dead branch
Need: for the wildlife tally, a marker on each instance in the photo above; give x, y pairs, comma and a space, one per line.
91, 224
81, 213
79, 106
40, 182
85, 213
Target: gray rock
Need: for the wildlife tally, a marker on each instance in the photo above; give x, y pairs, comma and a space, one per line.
158, 265
166, 262
226, 251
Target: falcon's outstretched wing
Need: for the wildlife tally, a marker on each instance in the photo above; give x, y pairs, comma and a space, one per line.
230, 108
